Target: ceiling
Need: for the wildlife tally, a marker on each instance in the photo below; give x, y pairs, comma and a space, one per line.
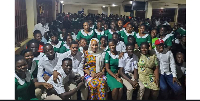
156, 3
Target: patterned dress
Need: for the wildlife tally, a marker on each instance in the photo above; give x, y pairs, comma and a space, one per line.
96, 86
146, 72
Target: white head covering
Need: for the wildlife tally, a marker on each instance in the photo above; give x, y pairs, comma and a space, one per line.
100, 54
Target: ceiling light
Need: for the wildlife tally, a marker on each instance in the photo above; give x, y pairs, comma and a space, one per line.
114, 5
61, 1
161, 8
63, 4
104, 6
130, 2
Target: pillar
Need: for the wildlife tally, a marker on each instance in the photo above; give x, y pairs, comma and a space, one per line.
134, 13
176, 15
121, 10
31, 12
108, 10
148, 12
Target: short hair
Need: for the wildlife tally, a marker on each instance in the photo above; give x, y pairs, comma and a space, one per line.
83, 39
112, 40
130, 24
115, 33
66, 59
130, 44
53, 33
47, 44
18, 57
37, 32
32, 41
73, 42
143, 25
24, 51
144, 43
65, 37
103, 37
130, 36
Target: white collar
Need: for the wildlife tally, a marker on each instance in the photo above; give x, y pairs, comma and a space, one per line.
142, 36
39, 56
123, 29
22, 81
90, 33
57, 46
113, 56
92, 27
127, 34
61, 36
165, 38
62, 73
99, 33
66, 46
111, 31
46, 58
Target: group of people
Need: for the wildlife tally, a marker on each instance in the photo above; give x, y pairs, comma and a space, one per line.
143, 55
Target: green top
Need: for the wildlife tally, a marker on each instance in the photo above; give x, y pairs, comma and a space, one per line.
153, 42
109, 34
25, 91
57, 47
145, 38
124, 35
64, 48
167, 40
181, 31
82, 34
60, 38
99, 34
112, 60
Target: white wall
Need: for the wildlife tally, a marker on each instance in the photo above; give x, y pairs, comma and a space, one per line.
115, 10
105, 10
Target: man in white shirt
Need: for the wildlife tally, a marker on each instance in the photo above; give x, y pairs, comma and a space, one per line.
128, 66
77, 65
120, 47
167, 70
65, 87
43, 28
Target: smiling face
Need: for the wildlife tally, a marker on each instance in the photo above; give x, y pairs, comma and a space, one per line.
153, 33
69, 39
160, 48
29, 57
130, 50
38, 37
120, 23
94, 46
112, 46
54, 39
74, 49
34, 48
49, 52
67, 66
142, 29
129, 28
144, 49
99, 25
86, 26
21, 67
112, 25
105, 26
103, 41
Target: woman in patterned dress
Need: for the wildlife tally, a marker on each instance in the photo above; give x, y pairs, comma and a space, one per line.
148, 72
94, 71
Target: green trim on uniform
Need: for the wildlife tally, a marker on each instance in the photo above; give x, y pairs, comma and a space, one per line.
145, 38
88, 36
124, 35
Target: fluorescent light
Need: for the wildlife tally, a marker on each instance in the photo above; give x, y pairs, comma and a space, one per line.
161, 8
104, 6
63, 4
61, 1
130, 2
114, 5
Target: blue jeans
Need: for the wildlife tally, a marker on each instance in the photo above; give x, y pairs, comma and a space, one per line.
165, 81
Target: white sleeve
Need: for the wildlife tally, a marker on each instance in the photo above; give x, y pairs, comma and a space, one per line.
121, 62
123, 47
172, 64
40, 72
80, 67
35, 28
59, 87
59, 62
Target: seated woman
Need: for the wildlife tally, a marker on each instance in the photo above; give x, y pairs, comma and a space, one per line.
66, 47
85, 33
112, 71
24, 85
55, 42
38, 36
94, 71
148, 71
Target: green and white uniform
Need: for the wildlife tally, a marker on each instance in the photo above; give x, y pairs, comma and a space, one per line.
99, 34
82, 34
167, 40
64, 48
124, 35
109, 33
24, 88
145, 38
74, 36
57, 47
181, 31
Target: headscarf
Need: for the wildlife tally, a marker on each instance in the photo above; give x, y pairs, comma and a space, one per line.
100, 54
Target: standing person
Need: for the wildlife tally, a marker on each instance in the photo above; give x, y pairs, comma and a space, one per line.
120, 47
167, 70
103, 43
120, 25
24, 85
55, 42
112, 71
66, 46
38, 36
128, 32
128, 65
113, 28
148, 71
74, 34
62, 34
95, 71
66, 87
77, 66
105, 27
85, 33
43, 28
98, 31
166, 38
142, 37
153, 37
